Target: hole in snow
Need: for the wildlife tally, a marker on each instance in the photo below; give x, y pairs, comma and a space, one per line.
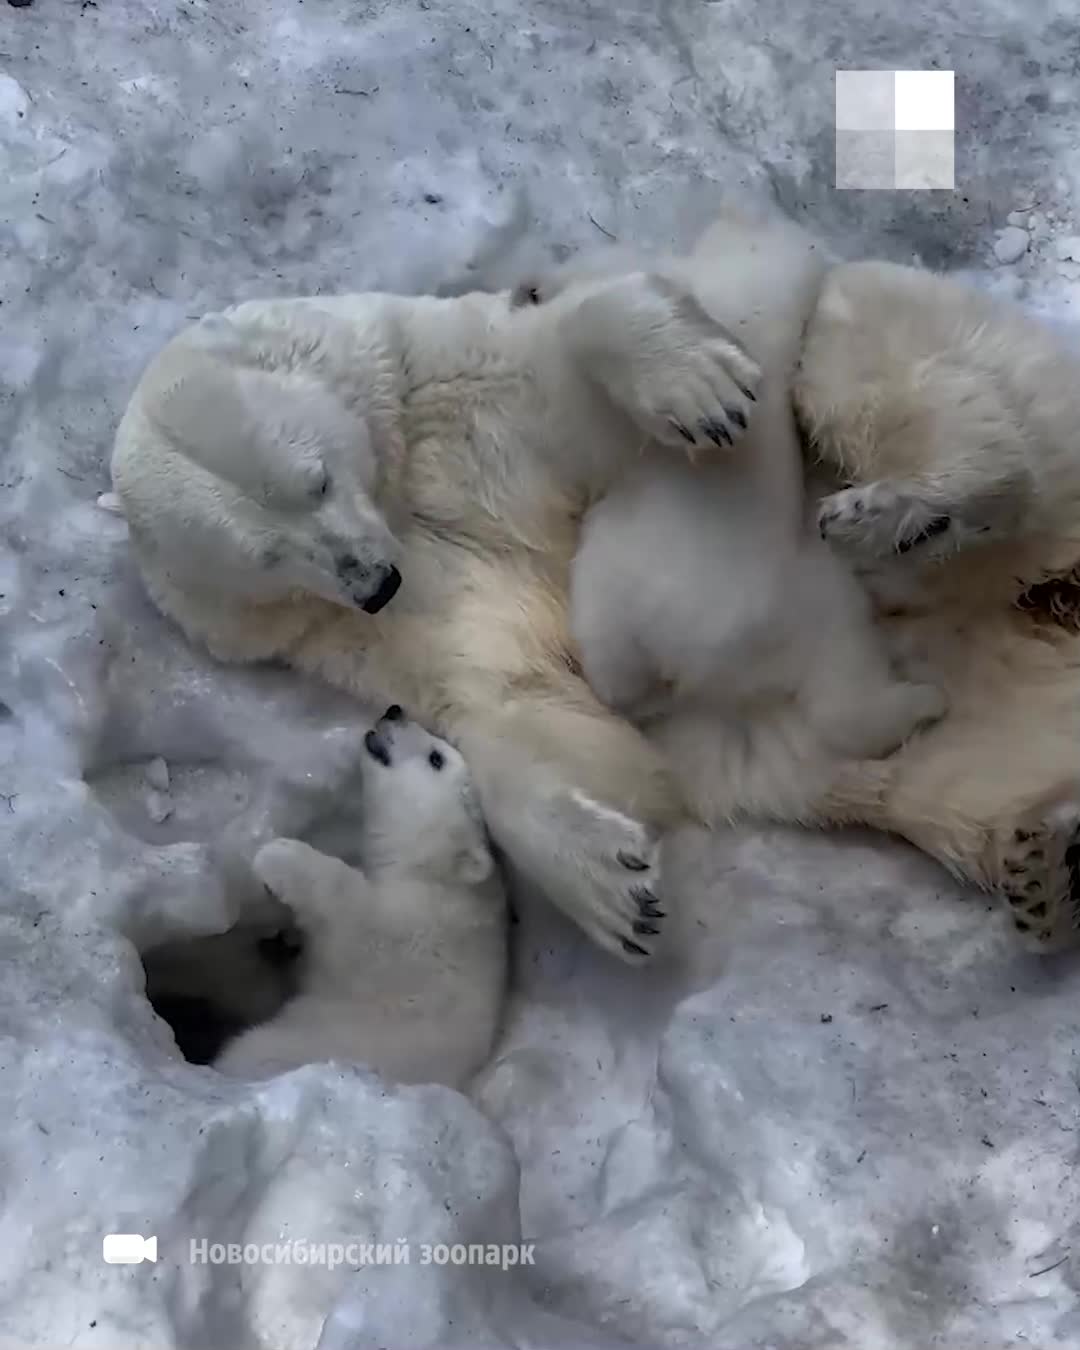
209, 989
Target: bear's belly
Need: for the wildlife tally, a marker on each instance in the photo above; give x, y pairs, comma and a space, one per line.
471, 625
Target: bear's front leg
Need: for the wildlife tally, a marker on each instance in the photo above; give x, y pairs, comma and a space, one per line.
681, 376
329, 899
576, 800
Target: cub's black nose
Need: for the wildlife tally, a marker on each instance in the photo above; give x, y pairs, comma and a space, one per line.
395, 713
388, 588
377, 748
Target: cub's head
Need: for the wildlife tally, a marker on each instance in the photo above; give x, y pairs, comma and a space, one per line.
247, 464
421, 813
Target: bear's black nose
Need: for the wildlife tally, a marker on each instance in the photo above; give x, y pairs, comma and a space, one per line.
388, 588
377, 748
395, 713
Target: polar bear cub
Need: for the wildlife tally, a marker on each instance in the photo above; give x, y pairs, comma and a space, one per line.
703, 600
404, 963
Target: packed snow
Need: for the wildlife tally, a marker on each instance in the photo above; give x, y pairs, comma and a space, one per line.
844, 1111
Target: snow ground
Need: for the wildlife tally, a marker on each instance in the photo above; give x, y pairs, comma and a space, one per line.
846, 1113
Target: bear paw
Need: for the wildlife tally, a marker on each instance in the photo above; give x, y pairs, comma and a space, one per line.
1040, 878
616, 866
682, 377
880, 520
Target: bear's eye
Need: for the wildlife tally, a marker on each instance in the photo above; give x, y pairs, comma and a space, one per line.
436, 759
325, 488
533, 294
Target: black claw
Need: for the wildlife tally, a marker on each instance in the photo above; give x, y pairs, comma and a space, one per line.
737, 416
647, 903
1072, 862
633, 948
648, 928
747, 393
717, 432
935, 527
681, 429
632, 862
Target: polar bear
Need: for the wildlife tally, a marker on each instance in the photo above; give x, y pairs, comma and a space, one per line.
949, 430
403, 964
942, 425
751, 657
283, 465
385, 491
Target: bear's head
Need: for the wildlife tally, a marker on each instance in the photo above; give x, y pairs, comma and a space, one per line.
249, 469
421, 814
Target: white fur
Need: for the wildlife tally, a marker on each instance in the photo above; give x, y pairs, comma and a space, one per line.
478, 434
950, 421
931, 404
704, 601
461, 440
404, 964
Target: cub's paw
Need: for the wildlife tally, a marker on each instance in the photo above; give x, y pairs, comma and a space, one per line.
1039, 867
614, 890
682, 377
881, 520
316, 888
284, 866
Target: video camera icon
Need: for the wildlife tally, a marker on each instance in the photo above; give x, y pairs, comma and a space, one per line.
128, 1249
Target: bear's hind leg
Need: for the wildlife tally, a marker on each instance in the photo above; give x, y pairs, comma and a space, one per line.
872, 723
1039, 866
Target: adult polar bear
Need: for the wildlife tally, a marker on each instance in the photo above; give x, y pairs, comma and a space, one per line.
470, 441
278, 464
